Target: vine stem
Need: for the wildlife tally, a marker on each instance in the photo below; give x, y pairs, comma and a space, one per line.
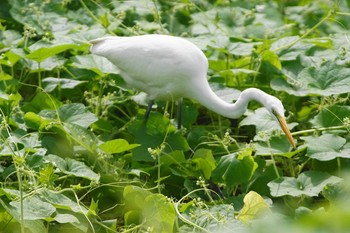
18, 168
176, 205
273, 160
321, 129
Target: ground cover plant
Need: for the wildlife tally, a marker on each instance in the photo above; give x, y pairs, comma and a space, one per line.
77, 156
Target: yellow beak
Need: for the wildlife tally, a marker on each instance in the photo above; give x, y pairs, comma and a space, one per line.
285, 129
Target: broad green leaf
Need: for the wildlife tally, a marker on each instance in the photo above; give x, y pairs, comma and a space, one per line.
117, 146
225, 93
76, 113
134, 197
47, 65
34, 208
291, 53
309, 183
280, 43
174, 157
242, 49
66, 218
51, 83
213, 218
61, 201
329, 79
203, 162
34, 121
277, 145
331, 116
152, 134
272, 59
235, 169
263, 121
73, 167
43, 53
98, 64
254, 206
158, 213
326, 147
41, 101
10, 58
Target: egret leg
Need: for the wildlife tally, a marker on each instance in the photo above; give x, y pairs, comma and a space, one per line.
179, 113
148, 110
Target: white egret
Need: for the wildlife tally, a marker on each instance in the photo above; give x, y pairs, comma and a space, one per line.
169, 68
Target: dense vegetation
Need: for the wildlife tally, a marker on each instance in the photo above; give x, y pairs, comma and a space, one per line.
77, 156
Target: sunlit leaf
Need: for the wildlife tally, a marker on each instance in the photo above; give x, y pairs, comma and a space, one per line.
254, 206
158, 213
134, 197
117, 146
43, 53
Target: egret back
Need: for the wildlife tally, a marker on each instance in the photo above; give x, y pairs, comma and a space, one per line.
165, 67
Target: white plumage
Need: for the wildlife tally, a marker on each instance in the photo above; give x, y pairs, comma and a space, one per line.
169, 68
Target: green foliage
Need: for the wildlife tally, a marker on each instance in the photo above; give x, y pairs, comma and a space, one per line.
77, 156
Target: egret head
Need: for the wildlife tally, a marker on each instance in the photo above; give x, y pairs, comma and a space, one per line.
276, 108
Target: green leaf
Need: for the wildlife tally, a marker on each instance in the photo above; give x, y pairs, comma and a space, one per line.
43, 53
61, 201
291, 53
331, 116
329, 79
134, 197
34, 208
272, 59
41, 101
76, 113
203, 162
66, 218
174, 157
309, 183
34, 121
326, 147
51, 83
254, 206
73, 167
278, 145
242, 49
263, 121
117, 146
152, 210
152, 135
158, 213
47, 65
235, 169
98, 64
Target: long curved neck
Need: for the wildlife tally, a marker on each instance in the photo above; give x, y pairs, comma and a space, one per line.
210, 100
